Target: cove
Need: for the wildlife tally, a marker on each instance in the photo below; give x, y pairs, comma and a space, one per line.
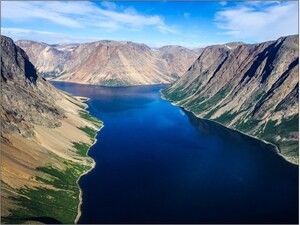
156, 163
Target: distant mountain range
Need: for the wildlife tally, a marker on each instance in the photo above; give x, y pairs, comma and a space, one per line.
110, 63
253, 88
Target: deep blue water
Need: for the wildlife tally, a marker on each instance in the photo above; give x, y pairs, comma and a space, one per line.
156, 163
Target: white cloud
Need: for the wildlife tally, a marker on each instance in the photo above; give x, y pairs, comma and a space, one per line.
43, 36
109, 5
186, 15
81, 14
259, 21
59, 38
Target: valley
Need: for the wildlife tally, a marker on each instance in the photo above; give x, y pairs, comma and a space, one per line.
177, 139
249, 87
138, 112
157, 163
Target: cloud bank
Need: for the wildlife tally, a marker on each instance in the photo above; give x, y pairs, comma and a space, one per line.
259, 21
82, 14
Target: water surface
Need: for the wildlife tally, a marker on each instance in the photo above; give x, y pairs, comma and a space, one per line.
156, 163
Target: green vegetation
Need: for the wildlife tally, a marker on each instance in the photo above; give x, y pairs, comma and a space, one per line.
82, 148
174, 95
277, 134
245, 124
178, 94
74, 102
211, 113
58, 199
114, 83
85, 115
226, 117
286, 126
202, 105
283, 134
258, 96
287, 145
89, 131
60, 203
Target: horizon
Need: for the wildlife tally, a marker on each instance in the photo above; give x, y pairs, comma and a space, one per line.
65, 44
156, 24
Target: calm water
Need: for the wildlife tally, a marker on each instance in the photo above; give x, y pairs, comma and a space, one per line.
157, 163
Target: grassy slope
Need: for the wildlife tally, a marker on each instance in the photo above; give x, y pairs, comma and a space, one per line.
268, 132
60, 202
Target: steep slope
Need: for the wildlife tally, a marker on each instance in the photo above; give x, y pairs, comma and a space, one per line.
49, 60
110, 63
177, 58
114, 64
252, 88
44, 139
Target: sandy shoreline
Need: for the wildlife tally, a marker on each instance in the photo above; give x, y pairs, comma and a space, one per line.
249, 135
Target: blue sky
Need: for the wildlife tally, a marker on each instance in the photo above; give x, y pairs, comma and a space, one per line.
190, 24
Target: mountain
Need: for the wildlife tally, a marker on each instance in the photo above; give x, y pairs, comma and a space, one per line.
114, 64
44, 139
46, 58
110, 63
177, 58
249, 87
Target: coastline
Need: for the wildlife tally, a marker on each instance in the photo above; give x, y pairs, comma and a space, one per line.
249, 135
86, 172
107, 86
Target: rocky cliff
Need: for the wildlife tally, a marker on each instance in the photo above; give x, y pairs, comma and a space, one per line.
44, 141
110, 63
46, 58
251, 88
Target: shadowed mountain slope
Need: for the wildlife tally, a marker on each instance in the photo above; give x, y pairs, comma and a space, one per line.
252, 88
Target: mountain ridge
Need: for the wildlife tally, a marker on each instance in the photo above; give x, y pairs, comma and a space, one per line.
110, 63
252, 88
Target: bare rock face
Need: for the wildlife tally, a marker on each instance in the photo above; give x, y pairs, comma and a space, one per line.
26, 97
177, 58
110, 63
48, 60
252, 88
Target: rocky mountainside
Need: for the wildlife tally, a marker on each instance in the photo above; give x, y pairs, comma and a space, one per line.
251, 88
177, 58
46, 58
44, 140
110, 63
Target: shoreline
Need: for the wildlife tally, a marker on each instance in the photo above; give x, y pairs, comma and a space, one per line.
249, 135
85, 99
107, 86
86, 172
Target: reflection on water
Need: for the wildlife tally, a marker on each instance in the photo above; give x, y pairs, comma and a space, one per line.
207, 126
156, 163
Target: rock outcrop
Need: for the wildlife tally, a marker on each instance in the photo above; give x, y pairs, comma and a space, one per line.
41, 129
249, 87
110, 63
49, 60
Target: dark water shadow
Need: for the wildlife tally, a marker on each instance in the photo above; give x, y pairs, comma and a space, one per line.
211, 127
